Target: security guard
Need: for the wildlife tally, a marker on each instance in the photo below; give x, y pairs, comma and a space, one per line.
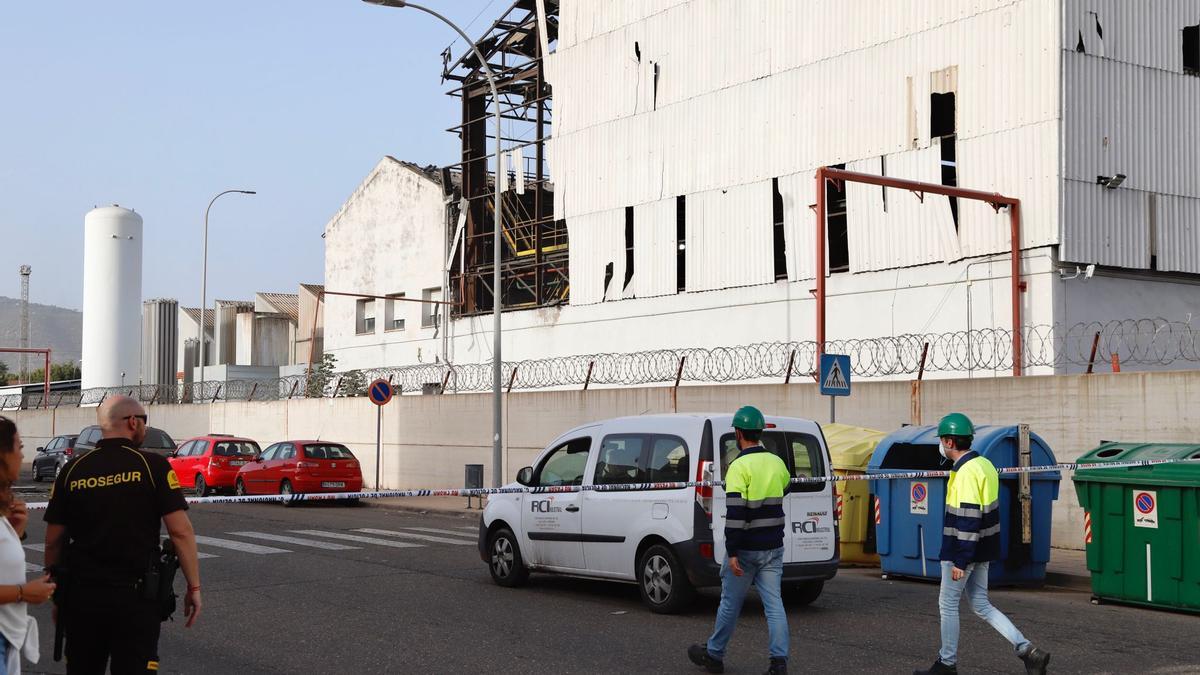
755, 484
970, 540
103, 528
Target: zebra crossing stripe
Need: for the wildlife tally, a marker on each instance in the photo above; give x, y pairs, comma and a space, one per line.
239, 545
36, 547
434, 530
413, 535
284, 539
356, 538
202, 555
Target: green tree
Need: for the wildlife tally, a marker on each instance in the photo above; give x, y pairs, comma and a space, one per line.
58, 371
320, 377
354, 383
3, 372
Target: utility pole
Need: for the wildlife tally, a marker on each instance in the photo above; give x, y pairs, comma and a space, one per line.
26, 270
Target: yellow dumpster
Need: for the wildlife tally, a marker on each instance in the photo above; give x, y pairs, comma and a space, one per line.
851, 449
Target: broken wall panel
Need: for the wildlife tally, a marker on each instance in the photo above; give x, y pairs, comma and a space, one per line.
654, 249
597, 241
729, 238
1178, 234
799, 223
1132, 32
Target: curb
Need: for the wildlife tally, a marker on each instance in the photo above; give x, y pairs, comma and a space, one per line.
415, 508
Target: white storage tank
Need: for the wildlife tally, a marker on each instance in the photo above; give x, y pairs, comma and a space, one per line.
112, 297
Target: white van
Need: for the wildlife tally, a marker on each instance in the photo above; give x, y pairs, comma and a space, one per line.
668, 541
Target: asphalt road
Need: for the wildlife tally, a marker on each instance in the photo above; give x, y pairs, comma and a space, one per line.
337, 600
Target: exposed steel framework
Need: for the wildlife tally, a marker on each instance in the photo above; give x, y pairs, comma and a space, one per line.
996, 200
534, 251
45, 371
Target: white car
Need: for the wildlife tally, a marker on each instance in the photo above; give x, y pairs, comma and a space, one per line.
668, 541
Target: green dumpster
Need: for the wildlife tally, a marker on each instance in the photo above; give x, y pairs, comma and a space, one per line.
850, 448
1142, 525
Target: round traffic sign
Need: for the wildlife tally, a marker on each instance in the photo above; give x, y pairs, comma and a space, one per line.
380, 392
918, 492
1144, 502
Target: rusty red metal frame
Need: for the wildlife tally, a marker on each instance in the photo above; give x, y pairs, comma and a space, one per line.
45, 371
996, 200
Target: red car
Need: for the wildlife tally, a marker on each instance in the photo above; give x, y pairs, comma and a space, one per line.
300, 466
209, 463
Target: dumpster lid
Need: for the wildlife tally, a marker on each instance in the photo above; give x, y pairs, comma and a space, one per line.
1181, 474
998, 443
851, 447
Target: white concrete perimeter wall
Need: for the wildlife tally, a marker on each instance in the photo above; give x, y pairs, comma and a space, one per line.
428, 439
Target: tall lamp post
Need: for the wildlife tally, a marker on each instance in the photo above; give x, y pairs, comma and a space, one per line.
204, 282
497, 295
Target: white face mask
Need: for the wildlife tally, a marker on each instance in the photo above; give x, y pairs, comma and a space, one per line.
942, 449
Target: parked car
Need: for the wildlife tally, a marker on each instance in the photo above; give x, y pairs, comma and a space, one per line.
157, 441
50, 460
300, 466
667, 541
210, 463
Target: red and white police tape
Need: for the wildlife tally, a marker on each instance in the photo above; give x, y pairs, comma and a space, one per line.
635, 487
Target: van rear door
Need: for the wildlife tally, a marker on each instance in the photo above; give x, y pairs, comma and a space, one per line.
809, 535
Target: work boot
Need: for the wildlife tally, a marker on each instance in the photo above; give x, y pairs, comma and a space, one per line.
700, 656
1035, 661
938, 668
778, 666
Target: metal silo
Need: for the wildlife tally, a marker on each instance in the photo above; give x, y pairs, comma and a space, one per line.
160, 344
112, 297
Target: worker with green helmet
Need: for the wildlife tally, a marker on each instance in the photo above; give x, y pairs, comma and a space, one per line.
755, 484
970, 541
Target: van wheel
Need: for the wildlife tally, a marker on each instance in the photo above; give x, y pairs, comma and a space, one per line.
662, 581
506, 566
802, 593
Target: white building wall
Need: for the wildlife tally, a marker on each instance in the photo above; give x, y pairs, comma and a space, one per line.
386, 239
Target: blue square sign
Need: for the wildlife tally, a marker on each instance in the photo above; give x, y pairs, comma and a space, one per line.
835, 375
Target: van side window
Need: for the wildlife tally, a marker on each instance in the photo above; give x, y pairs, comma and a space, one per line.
620, 455
565, 464
668, 461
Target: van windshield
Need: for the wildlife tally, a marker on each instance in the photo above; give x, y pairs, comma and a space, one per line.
801, 452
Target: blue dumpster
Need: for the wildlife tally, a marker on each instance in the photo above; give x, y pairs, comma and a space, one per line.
909, 534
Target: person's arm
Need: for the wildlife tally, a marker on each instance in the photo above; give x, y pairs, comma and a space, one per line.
33, 592
179, 527
56, 536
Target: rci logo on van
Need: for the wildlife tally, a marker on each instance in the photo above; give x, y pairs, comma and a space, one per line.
544, 506
810, 526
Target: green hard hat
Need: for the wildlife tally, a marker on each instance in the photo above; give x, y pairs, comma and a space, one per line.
749, 418
956, 424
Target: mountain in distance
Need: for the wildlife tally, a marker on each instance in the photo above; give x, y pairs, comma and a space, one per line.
58, 328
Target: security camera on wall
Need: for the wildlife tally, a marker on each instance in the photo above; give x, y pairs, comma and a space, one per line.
1089, 271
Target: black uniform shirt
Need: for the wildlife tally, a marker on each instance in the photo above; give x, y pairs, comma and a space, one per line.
111, 501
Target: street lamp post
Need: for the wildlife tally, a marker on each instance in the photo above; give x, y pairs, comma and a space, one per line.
204, 282
497, 295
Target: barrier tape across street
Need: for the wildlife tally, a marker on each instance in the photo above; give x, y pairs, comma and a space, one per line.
636, 487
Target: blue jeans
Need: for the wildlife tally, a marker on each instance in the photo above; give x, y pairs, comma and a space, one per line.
975, 584
764, 569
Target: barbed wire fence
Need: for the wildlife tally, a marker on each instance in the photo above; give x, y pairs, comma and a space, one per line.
1135, 342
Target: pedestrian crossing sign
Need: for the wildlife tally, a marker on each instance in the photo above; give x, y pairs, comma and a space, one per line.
835, 375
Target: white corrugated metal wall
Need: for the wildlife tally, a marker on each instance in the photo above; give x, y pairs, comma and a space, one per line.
747, 92
1129, 108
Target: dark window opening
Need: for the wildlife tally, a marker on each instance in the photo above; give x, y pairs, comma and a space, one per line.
780, 239
628, 246
835, 224
942, 126
1191, 50
680, 243
883, 172
608, 276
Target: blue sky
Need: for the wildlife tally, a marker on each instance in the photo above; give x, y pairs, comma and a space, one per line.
158, 106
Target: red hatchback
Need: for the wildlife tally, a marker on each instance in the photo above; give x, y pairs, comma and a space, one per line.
300, 466
209, 463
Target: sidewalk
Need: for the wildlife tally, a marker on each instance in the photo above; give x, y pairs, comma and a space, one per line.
443, 506
1068, 569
